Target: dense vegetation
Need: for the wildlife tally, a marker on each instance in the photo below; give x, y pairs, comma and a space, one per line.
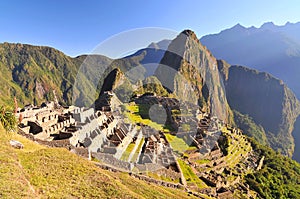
7, 119
279, 176
246, 123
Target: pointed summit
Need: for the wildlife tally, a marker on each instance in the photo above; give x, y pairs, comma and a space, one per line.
163, 44
238, 27
184, 46
190, 71
189, 33
268, 25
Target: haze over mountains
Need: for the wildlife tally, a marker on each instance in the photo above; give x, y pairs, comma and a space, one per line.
269, 48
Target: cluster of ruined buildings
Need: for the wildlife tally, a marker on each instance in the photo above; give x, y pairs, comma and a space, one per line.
105, 135
102, 133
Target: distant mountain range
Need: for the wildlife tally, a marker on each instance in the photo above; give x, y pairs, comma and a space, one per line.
269, 48
263, 106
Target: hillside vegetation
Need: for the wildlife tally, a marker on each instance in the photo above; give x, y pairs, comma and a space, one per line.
265, 99
246, 123
33, 72
278, 178
40, 172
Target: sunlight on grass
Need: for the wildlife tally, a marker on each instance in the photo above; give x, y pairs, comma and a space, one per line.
29, 146
178, 144
135, 156
161, 177
127, 152
41, 172
133, 115
190, 176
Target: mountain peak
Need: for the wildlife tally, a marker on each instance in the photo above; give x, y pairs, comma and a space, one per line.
238, 27
190, 33
163, 44
268, 25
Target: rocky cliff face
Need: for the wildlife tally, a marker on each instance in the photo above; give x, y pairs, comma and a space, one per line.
266, 99
190, 71
296, 135
113, 81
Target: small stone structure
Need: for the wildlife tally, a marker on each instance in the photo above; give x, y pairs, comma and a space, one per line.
16, 144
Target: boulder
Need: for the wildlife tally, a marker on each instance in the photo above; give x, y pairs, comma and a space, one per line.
16, 144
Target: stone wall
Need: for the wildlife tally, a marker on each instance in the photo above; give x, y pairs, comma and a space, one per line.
81, 114
111, 160
54, 143
157, 182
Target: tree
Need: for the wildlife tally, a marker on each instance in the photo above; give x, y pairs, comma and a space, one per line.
8, 119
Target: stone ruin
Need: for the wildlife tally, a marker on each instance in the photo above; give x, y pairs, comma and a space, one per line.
156, 149
105, 136
102, 133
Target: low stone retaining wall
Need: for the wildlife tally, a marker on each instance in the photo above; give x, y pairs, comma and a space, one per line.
54, 143
158, 182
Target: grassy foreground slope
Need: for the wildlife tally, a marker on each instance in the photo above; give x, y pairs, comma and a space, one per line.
40, 172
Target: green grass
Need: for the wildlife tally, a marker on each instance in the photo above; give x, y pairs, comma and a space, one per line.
127, 152
237, 149
135, 155
190, 176
41, 172
133, 115
13, 181
161, 177
202, 161
178, 144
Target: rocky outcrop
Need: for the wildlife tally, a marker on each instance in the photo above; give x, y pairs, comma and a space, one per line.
188, 70
296, 135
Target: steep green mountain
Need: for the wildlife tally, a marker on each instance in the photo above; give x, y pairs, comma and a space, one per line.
188, 70
32, 73
115, 81
267, 100
264, 107
250, 128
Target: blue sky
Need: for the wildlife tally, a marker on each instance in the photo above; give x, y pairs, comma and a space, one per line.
77, 27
